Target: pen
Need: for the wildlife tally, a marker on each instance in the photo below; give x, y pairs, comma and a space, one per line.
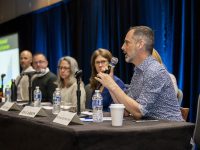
145, 120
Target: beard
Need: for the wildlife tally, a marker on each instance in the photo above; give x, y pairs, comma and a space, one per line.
131, 57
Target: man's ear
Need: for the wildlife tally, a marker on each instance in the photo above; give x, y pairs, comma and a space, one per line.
140, 44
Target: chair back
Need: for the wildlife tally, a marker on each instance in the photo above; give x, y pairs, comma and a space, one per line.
180, 96
184, 112
196, 136
89, 92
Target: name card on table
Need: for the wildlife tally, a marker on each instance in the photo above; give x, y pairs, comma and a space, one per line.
65, 117
29, 111
10, 106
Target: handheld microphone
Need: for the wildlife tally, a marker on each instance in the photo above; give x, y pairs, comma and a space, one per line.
30, 73
112, 64
78, 74
3, 75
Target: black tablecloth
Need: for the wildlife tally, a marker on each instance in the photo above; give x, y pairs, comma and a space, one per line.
23, 133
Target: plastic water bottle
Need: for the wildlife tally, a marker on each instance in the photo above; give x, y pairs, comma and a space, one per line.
13, 91
56, 101
8, 93
1, 94
97, 106
37, 97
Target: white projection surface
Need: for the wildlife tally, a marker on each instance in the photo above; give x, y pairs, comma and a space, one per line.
9, 58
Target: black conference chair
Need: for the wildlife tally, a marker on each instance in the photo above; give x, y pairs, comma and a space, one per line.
184, 110
196, 136
88, 91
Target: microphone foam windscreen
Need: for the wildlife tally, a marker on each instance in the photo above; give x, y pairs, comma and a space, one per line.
114, 61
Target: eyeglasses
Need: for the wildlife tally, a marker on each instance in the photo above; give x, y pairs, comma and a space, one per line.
39, 62
103, 62
63, 68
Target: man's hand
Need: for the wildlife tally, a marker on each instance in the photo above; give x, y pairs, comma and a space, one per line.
106, 80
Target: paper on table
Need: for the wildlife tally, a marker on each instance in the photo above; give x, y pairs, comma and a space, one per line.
86, 119
107, 118
91, 120
46, 104
65, 117
21, 102
87, 113
146, 120
47, 107
65, 107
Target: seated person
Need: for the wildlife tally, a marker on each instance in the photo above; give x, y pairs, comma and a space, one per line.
22, 82
151, 93
45, 81
67, 67
99, 63
156, 55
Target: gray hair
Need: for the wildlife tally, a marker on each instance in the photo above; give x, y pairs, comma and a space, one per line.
73, 68
146, 33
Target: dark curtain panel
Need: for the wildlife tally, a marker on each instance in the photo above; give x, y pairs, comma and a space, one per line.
76, 28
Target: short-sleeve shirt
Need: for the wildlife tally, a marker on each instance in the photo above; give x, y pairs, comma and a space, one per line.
152, 88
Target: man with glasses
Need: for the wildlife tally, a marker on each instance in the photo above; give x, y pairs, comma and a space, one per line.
46, 80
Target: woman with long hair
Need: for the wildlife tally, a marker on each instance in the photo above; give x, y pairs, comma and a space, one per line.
99, 63
67, 67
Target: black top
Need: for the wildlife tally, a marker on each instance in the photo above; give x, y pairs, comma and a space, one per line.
47, 86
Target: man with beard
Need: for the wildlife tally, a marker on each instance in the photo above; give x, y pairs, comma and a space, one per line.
46, 80
151, 94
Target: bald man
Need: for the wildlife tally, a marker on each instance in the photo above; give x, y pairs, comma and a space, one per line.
22, 81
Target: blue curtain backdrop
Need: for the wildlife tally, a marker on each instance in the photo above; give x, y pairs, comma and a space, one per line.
77, 28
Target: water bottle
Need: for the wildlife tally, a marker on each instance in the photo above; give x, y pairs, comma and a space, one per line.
8, 93
1, 94
56, 101
37, 97
97, 106
13, 91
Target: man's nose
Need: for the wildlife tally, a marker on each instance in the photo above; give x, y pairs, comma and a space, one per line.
38, 64
122, 47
